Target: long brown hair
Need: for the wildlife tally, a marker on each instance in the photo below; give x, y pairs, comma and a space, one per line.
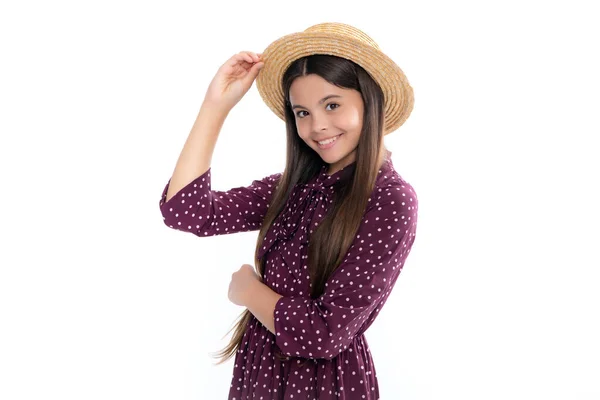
332, 238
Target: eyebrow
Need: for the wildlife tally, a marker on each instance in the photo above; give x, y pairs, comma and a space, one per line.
320, 101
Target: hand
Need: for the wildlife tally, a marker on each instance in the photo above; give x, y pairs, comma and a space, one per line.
233, 80
241, 284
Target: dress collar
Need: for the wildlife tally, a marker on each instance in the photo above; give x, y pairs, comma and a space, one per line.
303, 204
326, 180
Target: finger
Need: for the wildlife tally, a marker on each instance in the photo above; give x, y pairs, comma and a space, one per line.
251, 53
255, 56
247, 57
252, 74
238, 58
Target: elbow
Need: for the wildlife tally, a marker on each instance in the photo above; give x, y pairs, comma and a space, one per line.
335, 348
315, 348
314, 338
305, 350
187, 213
184, 221
179, 216
186, 226
311, 352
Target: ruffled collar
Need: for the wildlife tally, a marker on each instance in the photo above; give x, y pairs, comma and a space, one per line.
323, 179
344, 174
308, 200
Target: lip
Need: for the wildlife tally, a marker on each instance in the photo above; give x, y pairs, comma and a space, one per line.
330, 145
331, 137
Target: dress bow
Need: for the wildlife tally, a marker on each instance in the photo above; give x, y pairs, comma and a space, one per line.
304, 201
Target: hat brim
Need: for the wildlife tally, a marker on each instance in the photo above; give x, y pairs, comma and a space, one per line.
279, 55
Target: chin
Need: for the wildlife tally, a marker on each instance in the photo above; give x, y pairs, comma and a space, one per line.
333, 158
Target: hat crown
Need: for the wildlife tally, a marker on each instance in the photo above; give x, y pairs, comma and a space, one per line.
338, 28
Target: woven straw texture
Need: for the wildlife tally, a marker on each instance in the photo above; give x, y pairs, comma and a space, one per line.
340, 40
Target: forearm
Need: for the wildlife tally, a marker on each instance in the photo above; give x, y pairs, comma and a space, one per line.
261, 301
196, 155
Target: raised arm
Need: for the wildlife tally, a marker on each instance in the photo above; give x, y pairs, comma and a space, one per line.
231, 82
196, 156
197, 208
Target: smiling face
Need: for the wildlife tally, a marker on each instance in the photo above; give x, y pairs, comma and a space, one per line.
324, 111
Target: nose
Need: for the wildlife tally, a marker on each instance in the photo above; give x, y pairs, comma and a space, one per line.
320, 122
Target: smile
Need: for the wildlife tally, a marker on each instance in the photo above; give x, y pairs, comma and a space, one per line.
325, 141
328, 143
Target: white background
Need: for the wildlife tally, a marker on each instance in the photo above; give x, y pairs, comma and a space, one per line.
99, 299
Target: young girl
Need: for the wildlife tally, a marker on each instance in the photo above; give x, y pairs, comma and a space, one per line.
335, 227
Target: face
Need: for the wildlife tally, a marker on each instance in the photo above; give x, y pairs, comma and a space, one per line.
321, 117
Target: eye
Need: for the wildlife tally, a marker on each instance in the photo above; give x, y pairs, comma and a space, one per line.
329, 104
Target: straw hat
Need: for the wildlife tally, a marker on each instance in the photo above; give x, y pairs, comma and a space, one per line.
340, 40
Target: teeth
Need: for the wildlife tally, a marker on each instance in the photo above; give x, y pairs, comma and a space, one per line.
329, 140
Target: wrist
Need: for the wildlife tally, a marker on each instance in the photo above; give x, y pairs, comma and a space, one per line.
252, 293
214, 108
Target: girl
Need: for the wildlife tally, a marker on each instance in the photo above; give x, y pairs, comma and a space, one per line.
335, 227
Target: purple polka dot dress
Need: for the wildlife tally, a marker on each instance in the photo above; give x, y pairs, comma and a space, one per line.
324, 339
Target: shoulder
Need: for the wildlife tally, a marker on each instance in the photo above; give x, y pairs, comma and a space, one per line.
393, 193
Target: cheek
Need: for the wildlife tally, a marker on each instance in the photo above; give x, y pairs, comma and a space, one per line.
350, 120
303, 133
303, 130
354, 120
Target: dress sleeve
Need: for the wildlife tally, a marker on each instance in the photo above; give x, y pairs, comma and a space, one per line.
326, 326
205, 212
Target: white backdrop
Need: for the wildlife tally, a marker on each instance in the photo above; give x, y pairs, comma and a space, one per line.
100, 300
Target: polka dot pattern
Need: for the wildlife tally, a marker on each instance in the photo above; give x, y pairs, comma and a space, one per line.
328, 356
205, 212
